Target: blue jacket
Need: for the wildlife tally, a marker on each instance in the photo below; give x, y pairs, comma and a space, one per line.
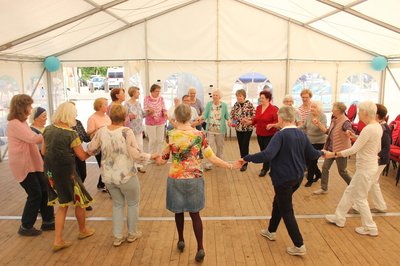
287, 152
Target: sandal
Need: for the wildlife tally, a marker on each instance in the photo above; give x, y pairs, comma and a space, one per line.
66, 244
89, 233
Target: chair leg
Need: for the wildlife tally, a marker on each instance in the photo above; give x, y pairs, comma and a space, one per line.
386, 170
397, 176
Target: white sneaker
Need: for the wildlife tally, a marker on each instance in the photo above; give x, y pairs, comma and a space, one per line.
297, 251
118, 241
133, 237
332, 219
320, 191
268, 234
366, 231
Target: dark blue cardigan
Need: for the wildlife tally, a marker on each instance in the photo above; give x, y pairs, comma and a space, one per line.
287, 152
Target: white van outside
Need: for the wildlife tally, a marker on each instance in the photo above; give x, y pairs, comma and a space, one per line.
115, 77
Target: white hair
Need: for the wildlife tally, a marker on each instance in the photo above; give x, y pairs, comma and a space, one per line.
217, 91
66, 113
318, 105
368, 108
287, 97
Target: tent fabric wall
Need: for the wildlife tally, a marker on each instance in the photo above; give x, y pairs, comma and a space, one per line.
240, 38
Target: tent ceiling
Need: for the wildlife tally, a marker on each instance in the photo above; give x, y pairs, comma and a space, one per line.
41, 28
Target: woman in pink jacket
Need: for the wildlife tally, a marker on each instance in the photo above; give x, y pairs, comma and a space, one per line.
26, 164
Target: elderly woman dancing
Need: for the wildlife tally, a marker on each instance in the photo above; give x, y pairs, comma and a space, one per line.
366, 147
185, 184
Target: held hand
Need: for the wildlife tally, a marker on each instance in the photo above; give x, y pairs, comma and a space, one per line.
150, 111
132, 116
236, 165
350, 134
315, 121
269, 126
329, 154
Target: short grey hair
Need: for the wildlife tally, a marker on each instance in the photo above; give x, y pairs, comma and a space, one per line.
287, 113
287, 97
65, 113
368, 108
340, 106
217, 91
318, 105
183, 113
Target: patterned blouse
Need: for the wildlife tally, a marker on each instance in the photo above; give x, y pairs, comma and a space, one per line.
240, 111
158, 105
119, 151
186, 148
136, 124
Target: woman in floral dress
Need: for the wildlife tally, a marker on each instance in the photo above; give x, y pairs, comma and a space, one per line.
62, 143
185, 184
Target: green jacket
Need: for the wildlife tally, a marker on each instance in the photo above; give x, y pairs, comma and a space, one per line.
224, 115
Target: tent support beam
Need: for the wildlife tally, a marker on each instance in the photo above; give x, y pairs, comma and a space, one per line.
393, 77
59, 25
334, 12
126, 27
306, 26
360, 15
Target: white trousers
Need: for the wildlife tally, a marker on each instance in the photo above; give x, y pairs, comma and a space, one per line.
139, 141
156, 138
357, 193
216, 142
375, 191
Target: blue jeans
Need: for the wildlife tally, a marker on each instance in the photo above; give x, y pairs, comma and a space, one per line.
129, 191
35, 185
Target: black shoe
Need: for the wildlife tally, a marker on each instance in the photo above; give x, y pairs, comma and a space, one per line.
200, 255
89, 208
105, 190
100, 186
48, 226
29, 232
181, 246
263, 173
243, 168
308, 184
316, 178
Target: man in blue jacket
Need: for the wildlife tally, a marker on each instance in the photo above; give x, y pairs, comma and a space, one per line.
287, 153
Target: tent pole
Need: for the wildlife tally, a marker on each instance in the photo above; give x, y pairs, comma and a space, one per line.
287, 59
382, 89
393, 77
37, 83
217, 43
146, 60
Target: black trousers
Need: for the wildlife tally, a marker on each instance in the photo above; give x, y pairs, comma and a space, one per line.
243, 138
312, 165
282, 207
35, 185
100, 183
81, 168
263, 142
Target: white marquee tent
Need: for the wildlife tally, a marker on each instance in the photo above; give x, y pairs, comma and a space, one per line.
215, 41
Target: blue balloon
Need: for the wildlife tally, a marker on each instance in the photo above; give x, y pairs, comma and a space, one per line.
379, 63
52, 63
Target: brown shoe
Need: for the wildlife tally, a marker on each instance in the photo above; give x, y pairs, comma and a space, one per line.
140, 170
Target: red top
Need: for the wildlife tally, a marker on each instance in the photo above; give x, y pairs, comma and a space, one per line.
269, 116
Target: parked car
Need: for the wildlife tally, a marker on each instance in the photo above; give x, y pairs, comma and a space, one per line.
98, 83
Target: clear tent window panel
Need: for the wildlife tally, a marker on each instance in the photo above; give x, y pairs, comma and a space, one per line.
320, 87
253, 83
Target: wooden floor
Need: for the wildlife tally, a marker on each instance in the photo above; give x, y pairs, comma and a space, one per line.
237, 207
